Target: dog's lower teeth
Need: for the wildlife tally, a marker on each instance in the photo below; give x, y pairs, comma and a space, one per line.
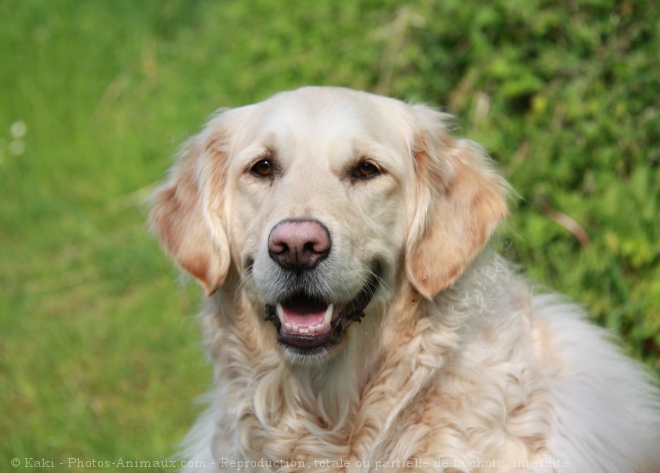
312, 329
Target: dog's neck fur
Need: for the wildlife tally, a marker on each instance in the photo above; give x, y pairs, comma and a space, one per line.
313, 409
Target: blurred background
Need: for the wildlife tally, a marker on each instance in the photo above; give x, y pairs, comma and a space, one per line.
99, 349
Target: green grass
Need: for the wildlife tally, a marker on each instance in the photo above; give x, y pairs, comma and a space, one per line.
99, 355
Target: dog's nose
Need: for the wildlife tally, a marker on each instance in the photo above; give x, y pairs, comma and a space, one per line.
298, 244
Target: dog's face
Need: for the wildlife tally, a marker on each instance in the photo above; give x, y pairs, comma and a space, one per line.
313, 187
324, 201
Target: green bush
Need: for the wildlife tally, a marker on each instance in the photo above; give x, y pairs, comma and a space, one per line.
566, 99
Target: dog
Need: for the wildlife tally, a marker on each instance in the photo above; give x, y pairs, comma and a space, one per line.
356, 316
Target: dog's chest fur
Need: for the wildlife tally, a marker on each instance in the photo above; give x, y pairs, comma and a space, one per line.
408, 397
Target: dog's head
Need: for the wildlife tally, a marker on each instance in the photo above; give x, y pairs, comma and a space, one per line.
323, 202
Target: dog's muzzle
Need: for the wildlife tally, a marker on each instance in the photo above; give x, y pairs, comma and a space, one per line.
307, 321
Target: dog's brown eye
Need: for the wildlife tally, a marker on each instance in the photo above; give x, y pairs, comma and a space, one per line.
365, 170
263, 168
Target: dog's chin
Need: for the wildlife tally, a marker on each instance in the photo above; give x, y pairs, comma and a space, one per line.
310, 329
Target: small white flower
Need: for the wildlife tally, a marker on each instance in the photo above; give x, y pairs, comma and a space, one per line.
18, 129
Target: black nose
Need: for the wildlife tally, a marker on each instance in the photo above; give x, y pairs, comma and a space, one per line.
298, 244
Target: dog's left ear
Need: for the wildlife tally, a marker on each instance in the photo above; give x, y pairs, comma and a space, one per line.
460, 201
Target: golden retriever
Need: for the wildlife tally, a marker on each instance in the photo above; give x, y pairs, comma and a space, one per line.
356, 319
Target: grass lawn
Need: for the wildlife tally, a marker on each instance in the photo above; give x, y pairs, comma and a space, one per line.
99, 348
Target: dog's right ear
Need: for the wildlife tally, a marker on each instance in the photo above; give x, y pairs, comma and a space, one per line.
186, 211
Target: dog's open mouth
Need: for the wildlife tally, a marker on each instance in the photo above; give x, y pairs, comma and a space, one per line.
305, 323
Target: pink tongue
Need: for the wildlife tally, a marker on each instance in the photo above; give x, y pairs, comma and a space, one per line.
303, 315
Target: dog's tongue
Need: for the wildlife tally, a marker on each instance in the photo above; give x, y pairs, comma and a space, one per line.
305, 317
304, 313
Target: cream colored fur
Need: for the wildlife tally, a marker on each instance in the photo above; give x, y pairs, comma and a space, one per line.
456, 366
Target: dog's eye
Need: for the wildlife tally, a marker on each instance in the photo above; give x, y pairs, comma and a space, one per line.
263, 168
365, 170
